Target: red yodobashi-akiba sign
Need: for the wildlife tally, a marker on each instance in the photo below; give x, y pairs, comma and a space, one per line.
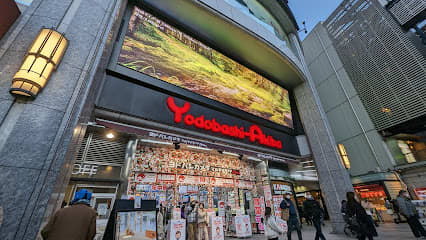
254, 133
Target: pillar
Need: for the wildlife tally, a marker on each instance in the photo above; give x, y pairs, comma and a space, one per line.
35, 135
333, 178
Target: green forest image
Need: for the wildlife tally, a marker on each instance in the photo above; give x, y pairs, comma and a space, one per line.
159, 50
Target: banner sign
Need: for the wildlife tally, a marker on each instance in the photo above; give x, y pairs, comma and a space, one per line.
177, 230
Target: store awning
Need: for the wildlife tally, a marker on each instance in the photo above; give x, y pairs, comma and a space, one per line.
177, 138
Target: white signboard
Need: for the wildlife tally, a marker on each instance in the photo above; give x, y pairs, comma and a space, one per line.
216, 228
243, 226
146, 178
282, 224
177, 230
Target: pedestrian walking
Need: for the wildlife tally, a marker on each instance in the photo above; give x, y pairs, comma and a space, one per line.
292, 222
396, 215
314, 211
408, 210
191, 220
369, 210
365, 227
77, 222
202, 223
272, 230
160, 223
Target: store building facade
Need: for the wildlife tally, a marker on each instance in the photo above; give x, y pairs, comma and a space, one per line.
197, 101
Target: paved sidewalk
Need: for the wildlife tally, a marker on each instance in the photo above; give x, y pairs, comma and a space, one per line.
388, 231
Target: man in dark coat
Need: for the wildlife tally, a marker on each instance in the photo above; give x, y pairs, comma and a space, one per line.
77, 222
314, 211
293, 222
408, 210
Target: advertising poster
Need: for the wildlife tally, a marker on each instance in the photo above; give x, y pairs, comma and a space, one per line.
421, 193
267, 192
276, 201
258, 219
176, 214
221, 210
138, 225
146, 178
243, 226
216, 228
177, 230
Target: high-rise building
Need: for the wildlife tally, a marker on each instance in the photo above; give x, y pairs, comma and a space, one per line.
371, 79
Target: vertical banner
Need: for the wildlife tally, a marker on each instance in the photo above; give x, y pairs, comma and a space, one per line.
221, 210
243, 226
268, 195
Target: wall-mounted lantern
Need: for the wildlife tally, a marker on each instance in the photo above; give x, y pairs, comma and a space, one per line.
40, 61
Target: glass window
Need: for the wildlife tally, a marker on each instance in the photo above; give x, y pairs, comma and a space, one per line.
407, 148
257, 12
344, 156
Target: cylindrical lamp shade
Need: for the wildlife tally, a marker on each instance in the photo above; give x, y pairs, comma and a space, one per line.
40, 61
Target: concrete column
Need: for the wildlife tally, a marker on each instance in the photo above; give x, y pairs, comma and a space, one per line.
35, 134
333, 177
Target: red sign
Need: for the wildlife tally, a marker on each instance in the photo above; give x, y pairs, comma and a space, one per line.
254, 133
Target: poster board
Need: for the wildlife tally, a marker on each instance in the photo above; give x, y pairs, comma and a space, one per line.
276, 201
177, 230
243, 226
136, 225
282, 224
216, 228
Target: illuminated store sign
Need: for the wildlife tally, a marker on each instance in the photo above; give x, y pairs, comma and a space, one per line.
254, 134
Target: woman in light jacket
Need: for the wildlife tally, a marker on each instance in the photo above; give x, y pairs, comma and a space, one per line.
202, 223
273, 231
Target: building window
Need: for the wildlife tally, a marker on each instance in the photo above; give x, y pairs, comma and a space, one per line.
344, 156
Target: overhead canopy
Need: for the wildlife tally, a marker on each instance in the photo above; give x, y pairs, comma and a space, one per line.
227, 36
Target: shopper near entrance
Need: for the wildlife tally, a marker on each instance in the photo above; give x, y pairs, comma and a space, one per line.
77, 222
191, 220
293, 221
314, 211
203, 232
354, 209
408, 210
160, 223
272, 230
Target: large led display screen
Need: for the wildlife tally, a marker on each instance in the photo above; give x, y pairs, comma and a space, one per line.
153, 47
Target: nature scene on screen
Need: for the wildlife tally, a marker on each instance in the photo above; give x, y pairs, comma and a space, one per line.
159, 50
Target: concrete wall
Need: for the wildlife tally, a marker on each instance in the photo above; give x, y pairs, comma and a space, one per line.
35, 134
349, 121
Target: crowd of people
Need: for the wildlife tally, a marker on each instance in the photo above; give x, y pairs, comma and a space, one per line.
357, 213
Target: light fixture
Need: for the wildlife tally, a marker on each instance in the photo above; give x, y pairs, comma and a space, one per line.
110, 135
40, 61
232, 154
199, 148
158, 142
254, 159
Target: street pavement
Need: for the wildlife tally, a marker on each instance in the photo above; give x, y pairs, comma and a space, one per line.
387, 231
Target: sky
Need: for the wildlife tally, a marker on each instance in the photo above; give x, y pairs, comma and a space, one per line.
312, 12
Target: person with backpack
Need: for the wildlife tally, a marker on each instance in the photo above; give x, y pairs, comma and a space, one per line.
354, 209
77, 222
272, 230
293, 222
409, 211
314, 211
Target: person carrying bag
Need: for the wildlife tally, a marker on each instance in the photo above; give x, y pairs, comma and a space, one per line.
272, 230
